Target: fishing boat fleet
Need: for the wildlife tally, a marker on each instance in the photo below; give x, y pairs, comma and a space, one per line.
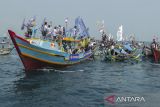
60, 46
120, 49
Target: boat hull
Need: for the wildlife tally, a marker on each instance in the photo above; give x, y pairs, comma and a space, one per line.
147, 51
35, 57
34, 64
156, 54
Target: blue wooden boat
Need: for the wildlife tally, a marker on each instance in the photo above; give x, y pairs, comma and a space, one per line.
38, 54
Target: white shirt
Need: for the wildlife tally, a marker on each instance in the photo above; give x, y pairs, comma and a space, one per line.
112, 47
49, 29
54, 32
45, 27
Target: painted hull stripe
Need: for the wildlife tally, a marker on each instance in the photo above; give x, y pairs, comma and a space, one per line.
23, 54
33, 49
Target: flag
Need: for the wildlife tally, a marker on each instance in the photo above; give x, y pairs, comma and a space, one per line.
82, 30
120, 34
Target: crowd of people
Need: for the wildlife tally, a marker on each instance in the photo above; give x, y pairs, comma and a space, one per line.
46, 29
106, 41
76, 47
49, 32
108, 45
56, 34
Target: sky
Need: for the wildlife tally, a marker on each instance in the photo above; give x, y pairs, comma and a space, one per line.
138, 17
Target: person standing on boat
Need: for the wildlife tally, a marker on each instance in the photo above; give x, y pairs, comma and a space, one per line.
31, 27
44, 29
112, 49
60, 29
55, 32
59, 40
65, 46
75, 31
31, 30
154, 45
49, 32
64, 32
104, 36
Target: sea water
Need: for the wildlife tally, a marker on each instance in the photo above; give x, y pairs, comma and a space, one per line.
82, 85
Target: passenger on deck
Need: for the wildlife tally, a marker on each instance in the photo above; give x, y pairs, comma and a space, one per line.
154, 44
55, 32
82, 50
65, 46
104, 36
31, 30
70, 51
75, 51
64, 32
60, 30
112, 49
75, 31
33, 27
59, 40
49, 32
143, 46
44, 30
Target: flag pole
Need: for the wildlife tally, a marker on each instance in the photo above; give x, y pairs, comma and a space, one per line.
66, 22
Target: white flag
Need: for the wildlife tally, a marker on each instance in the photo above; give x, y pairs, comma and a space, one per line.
120, 34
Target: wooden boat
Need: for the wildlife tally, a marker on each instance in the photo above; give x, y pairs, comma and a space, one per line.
123, 57
156, 54
5, 51
147, 52
123, 53
5, 47
39, 54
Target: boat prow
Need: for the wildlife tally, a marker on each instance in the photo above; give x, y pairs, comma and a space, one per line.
35, 57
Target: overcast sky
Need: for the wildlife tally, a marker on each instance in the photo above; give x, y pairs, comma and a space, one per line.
141, 17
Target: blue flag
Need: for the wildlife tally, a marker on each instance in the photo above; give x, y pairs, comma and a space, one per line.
82, 30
